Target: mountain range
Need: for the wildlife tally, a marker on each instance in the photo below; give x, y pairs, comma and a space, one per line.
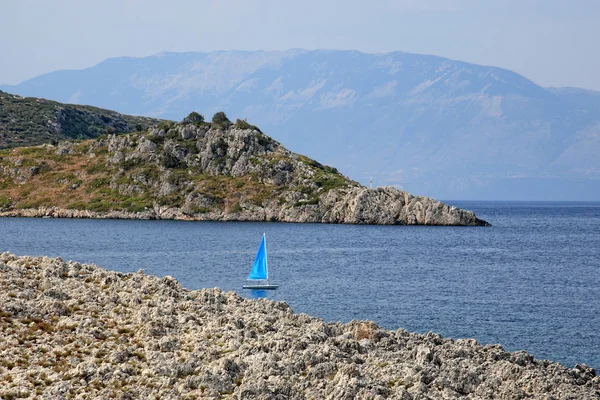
426, 124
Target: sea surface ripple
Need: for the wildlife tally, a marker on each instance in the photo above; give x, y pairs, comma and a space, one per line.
530, 282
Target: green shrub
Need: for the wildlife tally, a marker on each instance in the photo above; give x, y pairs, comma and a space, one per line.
175, 199
42, 167
156, 139
329, 181
101, 150
151, 172
263, 139
30, 204
177, 177
170, 161
218, 161
135, 206
191, 147
172, 134
220, 120
77, 205
193, 118
5, 202
329, 169
165, 125
306, 190
99, 205
243, 124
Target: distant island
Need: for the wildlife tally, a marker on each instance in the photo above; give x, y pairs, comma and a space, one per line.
198, 170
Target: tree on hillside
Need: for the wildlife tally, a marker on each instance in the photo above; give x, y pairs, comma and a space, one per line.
193, 118
220, 119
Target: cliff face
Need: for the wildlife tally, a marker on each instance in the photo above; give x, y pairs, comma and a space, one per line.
200, 172
71, 329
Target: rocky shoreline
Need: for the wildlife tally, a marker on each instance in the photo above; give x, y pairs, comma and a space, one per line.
204, 173
72, 330
381, 206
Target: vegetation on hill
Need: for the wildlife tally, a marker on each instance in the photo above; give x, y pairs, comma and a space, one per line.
198, 170
29, 121
194, 166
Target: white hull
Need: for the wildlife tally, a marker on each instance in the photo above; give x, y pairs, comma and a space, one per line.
261, 287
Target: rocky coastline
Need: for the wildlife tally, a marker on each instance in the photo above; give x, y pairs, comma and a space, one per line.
72, 330
381, 206
202, 172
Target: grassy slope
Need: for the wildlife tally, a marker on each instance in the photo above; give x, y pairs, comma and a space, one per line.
86, 180
27, 121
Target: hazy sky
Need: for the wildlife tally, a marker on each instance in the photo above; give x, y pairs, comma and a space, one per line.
552, 42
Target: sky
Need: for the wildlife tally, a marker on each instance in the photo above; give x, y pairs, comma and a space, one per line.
552, 42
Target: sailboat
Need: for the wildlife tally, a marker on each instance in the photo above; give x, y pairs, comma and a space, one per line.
259, 271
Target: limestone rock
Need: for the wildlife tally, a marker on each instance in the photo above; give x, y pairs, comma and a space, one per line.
220, 174
77, 330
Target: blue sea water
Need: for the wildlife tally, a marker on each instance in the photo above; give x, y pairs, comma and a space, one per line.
530, 282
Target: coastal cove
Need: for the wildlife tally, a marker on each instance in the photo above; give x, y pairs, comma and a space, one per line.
530, 282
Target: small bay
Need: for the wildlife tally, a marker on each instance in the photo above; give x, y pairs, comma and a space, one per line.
530, 282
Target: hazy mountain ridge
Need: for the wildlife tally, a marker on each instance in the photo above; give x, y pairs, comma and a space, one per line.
431, 125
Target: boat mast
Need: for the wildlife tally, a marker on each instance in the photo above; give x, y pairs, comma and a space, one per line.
266, 263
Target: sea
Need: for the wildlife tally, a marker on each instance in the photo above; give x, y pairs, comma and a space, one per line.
529, 282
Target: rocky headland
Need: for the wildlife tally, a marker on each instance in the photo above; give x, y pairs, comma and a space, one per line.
72, 330
196, 170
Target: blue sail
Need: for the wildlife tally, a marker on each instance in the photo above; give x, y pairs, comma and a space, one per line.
259, 268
